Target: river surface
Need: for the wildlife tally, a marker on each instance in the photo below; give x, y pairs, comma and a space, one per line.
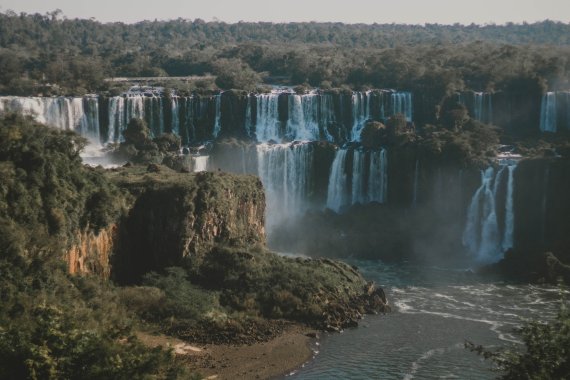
435, 310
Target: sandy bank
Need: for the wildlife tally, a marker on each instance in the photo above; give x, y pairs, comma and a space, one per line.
266, 360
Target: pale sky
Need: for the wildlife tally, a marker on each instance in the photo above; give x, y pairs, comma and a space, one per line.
347, 11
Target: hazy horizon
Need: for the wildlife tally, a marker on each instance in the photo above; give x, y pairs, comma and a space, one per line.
358, 11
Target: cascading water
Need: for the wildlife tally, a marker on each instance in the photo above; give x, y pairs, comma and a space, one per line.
248, 118
365, 183
548, 112
200, 163
303, 122
358, 174
378, 177
175, 123
402, 103
267, 125
483, 107
360, 113
482, 234
336, 194
327, 115
217, 122
284, 171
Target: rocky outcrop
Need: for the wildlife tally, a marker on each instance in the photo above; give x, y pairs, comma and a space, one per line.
92, 251
542, 206
179, 215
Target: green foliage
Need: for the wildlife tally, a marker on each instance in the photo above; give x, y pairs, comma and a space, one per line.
264, 284
55, 326
137, 133
45, 188
373, 135
39, 53
233, 73
169, 295
546, 354
474, 145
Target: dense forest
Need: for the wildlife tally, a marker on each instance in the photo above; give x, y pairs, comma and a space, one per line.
50, 54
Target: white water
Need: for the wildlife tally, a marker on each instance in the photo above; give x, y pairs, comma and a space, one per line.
79, 114
482, 234
435, 310
284, 171
267, 125
336, 194
402, 103
200, 163
248, 118
483, 107
548, 112
365, 183
361, 102
378, 177
217, 122
303, 122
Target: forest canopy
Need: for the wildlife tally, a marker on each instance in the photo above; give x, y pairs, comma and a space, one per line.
50, 54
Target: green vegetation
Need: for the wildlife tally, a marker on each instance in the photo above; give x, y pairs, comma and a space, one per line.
545, 356
53, 325
171, 228
50, 54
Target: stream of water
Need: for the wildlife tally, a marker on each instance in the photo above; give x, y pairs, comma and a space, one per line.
435, 310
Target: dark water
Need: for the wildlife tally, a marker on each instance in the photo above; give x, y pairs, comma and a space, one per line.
435, 311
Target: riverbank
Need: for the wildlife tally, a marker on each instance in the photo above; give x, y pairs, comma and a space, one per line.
263, 360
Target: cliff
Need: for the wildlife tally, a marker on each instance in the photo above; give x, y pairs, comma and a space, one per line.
177, 215
92, 251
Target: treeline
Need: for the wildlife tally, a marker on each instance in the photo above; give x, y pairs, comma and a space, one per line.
76, 55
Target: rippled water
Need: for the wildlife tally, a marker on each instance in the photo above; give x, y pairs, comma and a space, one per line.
435, 311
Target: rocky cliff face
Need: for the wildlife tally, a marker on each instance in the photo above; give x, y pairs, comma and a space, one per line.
92, 251
180, 215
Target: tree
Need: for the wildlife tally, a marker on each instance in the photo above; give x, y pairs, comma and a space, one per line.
235, 74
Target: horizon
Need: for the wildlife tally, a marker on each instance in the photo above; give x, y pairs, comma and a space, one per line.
369, 12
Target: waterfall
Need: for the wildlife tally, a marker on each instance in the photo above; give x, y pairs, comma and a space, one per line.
548, 112
401, 102
366, 183
303, 122
248, 125
482, 234
378, 177
358, 175
284, 171
200, 163
175, 122
116, 120
336, 194
327, 116
267, 121
135, 109
217, 122
360, 112
483, 107
78, 114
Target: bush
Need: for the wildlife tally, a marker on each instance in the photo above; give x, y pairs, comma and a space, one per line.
546, 354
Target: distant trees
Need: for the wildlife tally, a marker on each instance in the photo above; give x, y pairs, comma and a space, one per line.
234, 73
77, 54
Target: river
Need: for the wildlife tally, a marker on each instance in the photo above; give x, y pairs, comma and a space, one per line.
435, 310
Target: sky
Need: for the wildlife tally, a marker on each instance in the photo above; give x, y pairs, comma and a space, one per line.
347, 11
